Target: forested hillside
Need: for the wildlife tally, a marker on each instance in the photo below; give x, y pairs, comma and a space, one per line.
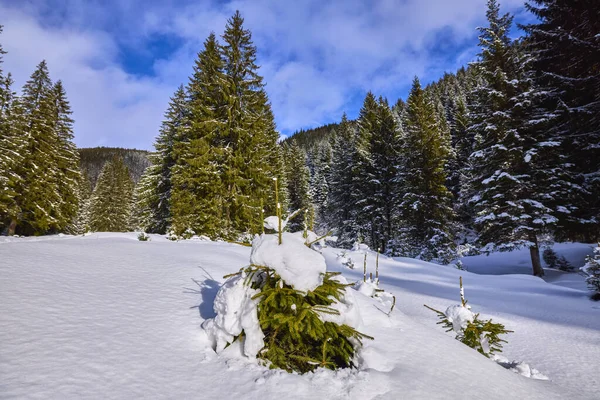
92, 159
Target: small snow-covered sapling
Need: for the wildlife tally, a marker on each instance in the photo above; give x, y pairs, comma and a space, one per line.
481, 335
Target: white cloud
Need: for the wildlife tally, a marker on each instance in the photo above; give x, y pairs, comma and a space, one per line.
318, 57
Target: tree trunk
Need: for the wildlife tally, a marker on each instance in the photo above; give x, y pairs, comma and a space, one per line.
12, 227
535, 256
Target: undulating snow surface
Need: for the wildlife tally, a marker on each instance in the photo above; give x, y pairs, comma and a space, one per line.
107, 316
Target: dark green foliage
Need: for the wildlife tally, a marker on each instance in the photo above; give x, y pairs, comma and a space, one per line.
226, 151
311, 138
40, 160
297, 340
552, 260
425, 208
92, 160
298, 176
550, 257
110, 207
153, 197
565, 49
342, 214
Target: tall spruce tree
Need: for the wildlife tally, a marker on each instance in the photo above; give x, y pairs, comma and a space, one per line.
385, 158
154, 191
198, 191
425, 210
565, 50
363, 173
38, 194
12, 144
340, 198
253, 155
66, 158
110, 205
508, 191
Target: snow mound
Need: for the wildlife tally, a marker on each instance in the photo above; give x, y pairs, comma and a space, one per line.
520, 368
459, 316
236, 311
368, 288
272, 223
298, 265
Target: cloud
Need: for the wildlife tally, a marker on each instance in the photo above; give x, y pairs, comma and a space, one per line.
318, 58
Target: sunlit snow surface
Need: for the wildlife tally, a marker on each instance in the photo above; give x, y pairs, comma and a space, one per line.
107, 316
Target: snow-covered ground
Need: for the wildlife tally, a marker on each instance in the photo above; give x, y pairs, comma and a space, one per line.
108, 316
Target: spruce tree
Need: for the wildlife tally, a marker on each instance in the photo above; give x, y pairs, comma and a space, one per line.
66, 158
509, 192
12, 144
38, 195
425, 210
385, 156
363, 173
340, 200
565, 50
253, 155
80, 223
110, 205
298, 176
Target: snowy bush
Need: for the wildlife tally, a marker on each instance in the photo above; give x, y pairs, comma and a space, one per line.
481, 335
592, 271
552, 260
143, 237
286, 310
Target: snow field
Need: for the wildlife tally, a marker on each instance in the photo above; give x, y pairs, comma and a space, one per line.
107, 316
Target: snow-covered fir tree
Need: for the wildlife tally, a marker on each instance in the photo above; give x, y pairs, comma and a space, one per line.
66, 156
508, 191
200, 151
592, 271
81, 222
12, 144
385, 156
298, 177
425, 210
253, 155
341, 209
565, 49
110, 205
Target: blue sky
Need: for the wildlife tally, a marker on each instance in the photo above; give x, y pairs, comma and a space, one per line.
120, 61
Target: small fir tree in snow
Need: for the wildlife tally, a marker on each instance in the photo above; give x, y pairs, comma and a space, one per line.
592, 271
285, 308
481, 335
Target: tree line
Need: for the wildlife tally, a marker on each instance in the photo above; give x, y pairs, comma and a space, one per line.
497, 156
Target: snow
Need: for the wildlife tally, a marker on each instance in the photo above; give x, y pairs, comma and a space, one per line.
272, 223
459, 316
298, 265
236, 311
107, 316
